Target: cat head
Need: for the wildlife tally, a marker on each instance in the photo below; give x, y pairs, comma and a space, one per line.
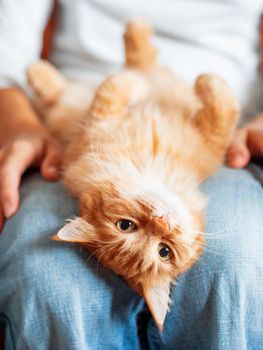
148, 236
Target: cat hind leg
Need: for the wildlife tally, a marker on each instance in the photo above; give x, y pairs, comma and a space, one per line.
218, 117
139, 52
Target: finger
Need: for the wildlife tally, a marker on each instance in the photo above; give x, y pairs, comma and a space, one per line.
255, 142
1, 154
238, 154
19, 157
50, 166
2, 219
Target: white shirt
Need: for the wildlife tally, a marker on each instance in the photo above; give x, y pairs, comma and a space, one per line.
192, 36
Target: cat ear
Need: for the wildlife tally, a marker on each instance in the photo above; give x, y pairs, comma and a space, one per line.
157, 299
76, 230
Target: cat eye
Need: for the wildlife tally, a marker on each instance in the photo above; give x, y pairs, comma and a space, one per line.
126, 225
165, 252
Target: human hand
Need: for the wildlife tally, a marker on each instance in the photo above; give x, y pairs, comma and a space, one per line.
35, 148
247, 143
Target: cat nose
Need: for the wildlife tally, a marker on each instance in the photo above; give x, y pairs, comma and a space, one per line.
162, 220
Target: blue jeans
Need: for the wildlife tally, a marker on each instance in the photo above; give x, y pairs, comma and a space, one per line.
55, 296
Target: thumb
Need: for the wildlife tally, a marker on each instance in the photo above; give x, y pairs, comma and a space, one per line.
238, 154
51, 162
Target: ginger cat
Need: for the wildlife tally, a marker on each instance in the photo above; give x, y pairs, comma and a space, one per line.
137, 150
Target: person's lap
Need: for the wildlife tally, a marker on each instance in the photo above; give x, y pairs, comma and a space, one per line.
54, 296
218, 304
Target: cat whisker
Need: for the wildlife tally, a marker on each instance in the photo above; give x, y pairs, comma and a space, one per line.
206, 234
111, 242
110, 250
91, 255
204, 247
96, 251
208, 249
220, 237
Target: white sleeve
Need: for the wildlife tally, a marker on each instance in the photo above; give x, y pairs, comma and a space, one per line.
21, 28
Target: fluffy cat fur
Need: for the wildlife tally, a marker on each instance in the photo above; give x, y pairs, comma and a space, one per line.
137, 148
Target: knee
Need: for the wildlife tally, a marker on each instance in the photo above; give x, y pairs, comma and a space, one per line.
56, 273
234, 220
44, 207
234, 253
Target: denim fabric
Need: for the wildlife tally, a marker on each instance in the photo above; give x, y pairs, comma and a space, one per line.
55, 296
218, 304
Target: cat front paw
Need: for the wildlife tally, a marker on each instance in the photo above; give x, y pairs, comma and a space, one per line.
45, 81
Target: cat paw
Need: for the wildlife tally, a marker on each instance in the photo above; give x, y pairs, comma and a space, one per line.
215, 93
117, 93
45, 81
218, 117
138, 48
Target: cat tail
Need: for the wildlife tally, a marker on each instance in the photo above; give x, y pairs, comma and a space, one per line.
218, 117
45, 81
139, 52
